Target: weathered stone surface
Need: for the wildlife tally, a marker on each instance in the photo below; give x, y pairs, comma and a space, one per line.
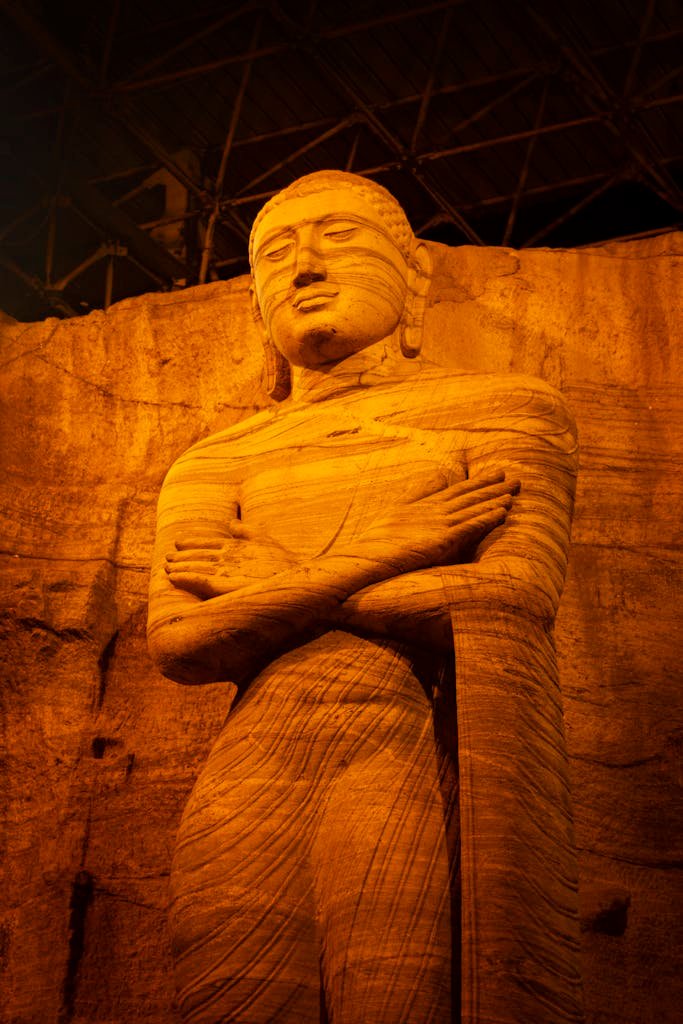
337, 848
100, 752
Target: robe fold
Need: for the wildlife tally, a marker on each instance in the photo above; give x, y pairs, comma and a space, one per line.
519, 926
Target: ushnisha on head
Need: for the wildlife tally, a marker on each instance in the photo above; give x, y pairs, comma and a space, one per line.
335, 268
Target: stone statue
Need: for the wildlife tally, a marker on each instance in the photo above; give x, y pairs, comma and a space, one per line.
377, 837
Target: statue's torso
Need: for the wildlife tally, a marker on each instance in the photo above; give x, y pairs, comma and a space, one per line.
332, 766
319, 474
322, 476
315, 476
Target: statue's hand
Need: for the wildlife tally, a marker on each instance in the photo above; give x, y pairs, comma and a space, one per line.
441, 528
210, 567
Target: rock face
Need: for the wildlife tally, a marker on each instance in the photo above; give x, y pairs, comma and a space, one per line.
100, 752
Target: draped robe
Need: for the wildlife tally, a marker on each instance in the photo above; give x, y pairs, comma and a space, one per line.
373, 839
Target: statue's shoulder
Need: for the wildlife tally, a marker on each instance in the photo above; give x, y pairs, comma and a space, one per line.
482, 406
487, 392
473, 384
531, 399
229, 436
224, 448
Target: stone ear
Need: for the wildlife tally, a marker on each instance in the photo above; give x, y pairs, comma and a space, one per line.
419, 280
277, 373
255, 308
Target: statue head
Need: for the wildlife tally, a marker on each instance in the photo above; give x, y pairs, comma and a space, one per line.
335, 268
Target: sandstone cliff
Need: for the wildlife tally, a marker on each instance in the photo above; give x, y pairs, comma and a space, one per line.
100, 752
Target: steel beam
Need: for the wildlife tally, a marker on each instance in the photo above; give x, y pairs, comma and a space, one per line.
651, 233
382, 20
8, 228
521, 183
598, 93
35, 72
404, 159
52, 298
585, 201
327, 122
317, 141
134, 85
45, 41
431, 78
54, 49
198, 71
638, 48
109, 282
227, 146
196, 37
351, 158
102, 252
113, 221
663, 80
501, 140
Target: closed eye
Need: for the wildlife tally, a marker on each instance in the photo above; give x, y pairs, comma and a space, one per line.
279, 253
341, 235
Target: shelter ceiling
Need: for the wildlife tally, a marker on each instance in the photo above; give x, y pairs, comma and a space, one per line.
141, 138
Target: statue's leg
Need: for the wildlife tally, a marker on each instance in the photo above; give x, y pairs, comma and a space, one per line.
384, 884
242, 921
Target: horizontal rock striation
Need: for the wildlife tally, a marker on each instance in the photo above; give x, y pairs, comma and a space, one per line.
100, 752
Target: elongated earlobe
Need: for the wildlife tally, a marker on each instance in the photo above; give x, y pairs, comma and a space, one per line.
412, 323
278, 375
410, 338
277, 372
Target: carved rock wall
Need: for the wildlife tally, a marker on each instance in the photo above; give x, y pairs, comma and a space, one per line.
100, 752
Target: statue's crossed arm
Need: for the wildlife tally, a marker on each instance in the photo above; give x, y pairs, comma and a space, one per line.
225, 599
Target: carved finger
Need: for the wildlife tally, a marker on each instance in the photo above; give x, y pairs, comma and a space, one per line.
484, 479
209, 586
241, 530
472, 516
193, 566
226, 584
192, 555
205, 543
463, 487
491, 493
195, 583
475, 483
482, 523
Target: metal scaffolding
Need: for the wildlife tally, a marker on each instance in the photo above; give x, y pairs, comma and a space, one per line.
568, 119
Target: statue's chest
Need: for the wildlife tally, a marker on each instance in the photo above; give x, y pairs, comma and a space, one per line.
326, 479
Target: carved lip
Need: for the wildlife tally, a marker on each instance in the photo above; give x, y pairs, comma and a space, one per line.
310, 298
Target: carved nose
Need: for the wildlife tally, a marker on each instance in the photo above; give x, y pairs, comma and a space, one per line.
305, 277
310, 268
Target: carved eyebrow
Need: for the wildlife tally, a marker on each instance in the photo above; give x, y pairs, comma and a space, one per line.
350, 218
332, 218
341, 226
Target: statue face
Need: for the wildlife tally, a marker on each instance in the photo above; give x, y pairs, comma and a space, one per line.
329, 279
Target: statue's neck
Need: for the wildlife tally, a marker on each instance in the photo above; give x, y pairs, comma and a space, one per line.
376, 364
